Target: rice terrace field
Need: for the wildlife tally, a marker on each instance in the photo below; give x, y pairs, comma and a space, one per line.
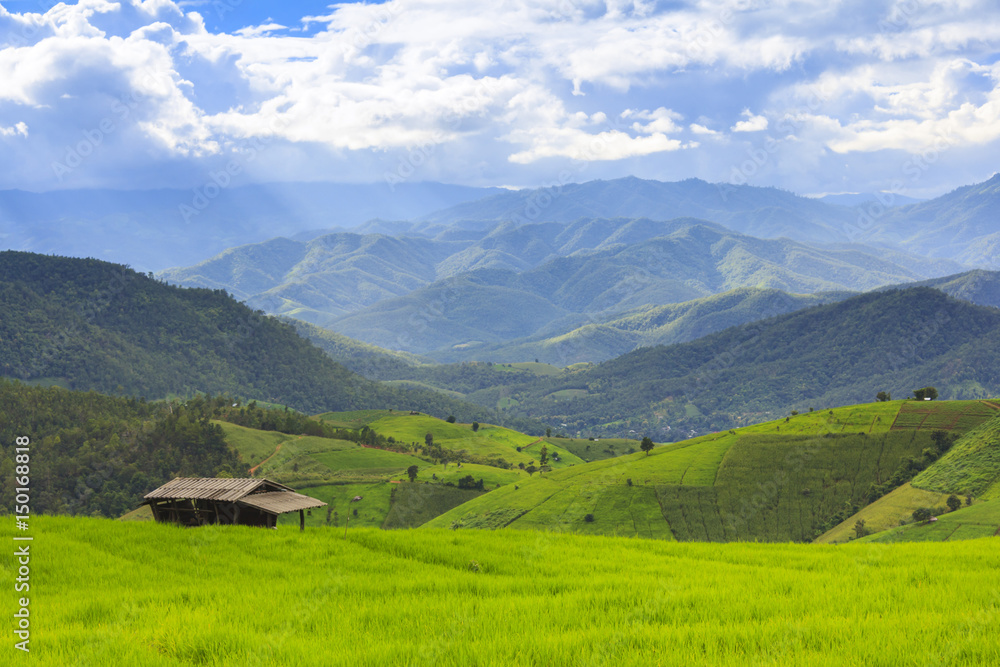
697, 552
147, 594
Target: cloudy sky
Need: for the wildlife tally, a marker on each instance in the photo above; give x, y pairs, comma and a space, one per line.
813, 96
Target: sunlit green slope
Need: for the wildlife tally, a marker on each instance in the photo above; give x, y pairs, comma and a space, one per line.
789, 479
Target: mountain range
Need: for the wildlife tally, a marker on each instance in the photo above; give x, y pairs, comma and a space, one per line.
523, 272
85, 324
835, 354
514, 281
151, 230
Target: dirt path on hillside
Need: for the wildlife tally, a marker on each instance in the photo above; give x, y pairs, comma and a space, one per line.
275, 453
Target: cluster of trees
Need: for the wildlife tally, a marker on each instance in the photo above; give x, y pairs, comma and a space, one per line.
99, 455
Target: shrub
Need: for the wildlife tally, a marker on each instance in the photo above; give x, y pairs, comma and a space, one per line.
589, 518
953, 502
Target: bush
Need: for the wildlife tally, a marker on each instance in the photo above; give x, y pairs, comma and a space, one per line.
589, 518
953, 502
921, 514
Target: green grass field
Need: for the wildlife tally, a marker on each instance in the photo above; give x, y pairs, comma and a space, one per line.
596, 450
967, 523
778, 481
887, 512
944, 415
867, 418
253, 445
416, 504
374, 506
354, 419
489, 441
146, 595
971, 466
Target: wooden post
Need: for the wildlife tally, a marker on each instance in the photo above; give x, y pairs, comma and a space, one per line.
302, 520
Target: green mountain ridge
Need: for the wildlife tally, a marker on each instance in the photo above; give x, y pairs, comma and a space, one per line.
88, 324
493, 306
828, 355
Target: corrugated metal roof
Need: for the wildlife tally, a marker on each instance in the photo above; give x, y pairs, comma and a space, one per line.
228, 490
279, 502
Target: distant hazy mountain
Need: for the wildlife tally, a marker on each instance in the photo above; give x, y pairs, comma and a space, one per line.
682, 322
647, 326
761, 212
857, 198
459, 314
151, 230
963, 225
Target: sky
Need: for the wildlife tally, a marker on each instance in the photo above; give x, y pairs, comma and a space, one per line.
812, 96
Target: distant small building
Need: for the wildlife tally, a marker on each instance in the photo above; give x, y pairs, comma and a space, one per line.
193, 501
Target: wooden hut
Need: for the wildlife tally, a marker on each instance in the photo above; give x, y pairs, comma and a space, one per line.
246, 502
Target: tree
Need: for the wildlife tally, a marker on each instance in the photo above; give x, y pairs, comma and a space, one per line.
429, 439
544, 458
647, 445
925, 393
451, 419
531, 470
548, 433
953, 502
859, 528
883, 397
475, 427
412, 473
921, 514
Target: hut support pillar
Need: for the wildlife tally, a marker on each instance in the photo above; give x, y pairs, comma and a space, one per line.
302, 520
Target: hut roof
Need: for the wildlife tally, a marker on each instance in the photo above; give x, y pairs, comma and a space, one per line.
279, 502
260, 493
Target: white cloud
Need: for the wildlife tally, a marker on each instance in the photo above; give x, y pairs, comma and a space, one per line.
501, 88
751, 124
19, 129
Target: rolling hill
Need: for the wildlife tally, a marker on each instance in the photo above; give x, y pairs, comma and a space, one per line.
87, 324
645, 327
828, 355
790, 479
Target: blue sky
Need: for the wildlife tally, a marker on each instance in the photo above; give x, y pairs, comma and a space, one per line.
812, 96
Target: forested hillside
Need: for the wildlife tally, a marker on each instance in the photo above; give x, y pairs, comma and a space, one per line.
86, 324
98, 455
824, 356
